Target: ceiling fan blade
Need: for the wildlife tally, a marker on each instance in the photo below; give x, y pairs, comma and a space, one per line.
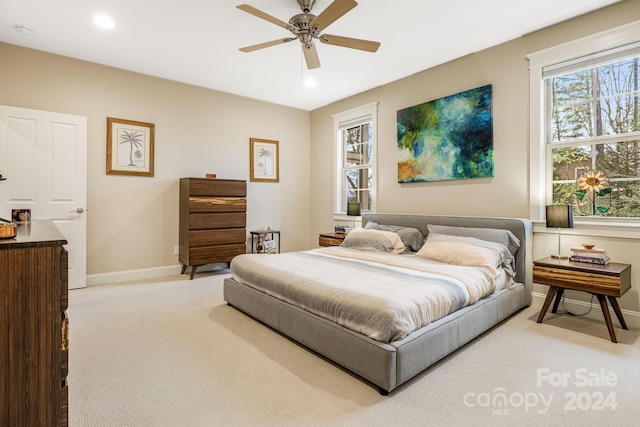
311, 55
368, 45
266, 44
260, 14
334, 11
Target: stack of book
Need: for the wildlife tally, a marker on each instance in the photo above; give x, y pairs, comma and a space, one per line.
591, 255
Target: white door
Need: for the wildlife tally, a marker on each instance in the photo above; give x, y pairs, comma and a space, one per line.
43, 155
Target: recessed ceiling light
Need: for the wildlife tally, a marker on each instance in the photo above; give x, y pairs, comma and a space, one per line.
21, 29
310, 82
104, 21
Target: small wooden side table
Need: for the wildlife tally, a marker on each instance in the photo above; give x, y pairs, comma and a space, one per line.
609, 281
257, 241
331, 239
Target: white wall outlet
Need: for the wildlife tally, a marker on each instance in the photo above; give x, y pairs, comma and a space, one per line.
176, 250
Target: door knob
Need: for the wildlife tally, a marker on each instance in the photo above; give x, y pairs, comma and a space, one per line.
79, 210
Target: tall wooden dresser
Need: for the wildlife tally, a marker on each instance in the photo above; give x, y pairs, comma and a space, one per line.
213, 217
34, 327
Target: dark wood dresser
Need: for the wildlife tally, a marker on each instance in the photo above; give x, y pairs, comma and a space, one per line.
213, 217
34, 327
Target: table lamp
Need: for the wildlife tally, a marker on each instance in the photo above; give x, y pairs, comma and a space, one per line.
559, 216
354, 210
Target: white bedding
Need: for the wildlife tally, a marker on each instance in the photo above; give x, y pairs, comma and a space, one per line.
384, 296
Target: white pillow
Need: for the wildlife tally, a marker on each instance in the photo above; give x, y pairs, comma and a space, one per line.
504, 237
373, 240
469, 251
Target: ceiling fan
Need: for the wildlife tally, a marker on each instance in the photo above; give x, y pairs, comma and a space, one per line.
305, 27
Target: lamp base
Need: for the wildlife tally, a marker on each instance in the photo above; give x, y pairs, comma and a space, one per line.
559, 257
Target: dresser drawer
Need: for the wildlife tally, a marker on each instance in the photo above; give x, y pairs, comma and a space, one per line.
578, 280
223, 236
217, 204
213, 254
217, 187
205, 221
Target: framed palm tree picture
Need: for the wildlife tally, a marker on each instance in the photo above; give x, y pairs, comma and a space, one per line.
264, 160
130, 147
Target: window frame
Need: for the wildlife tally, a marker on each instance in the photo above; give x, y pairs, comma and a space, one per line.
541, 162
367, 112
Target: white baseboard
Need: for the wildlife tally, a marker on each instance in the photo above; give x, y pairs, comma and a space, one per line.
631, 318
132, 275
146, 273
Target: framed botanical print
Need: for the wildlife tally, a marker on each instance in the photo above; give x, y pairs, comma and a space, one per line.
264, 160
130, 147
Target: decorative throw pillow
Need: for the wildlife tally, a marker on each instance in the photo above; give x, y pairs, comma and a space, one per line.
373, 240
412, 238
504, 237
469, 251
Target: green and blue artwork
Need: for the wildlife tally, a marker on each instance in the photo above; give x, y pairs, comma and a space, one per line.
447, 138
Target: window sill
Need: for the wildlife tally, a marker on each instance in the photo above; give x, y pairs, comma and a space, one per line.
603, 227
345, 217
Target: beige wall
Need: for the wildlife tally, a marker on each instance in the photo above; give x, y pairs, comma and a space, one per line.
133, 221
507, 193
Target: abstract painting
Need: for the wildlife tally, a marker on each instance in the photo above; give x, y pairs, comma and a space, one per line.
447, 138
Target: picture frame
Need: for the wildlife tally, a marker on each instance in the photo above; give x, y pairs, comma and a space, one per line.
264, 160
21, 216
448, 138
130, 147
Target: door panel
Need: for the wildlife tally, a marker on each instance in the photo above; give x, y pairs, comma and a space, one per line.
43, 155
21, 139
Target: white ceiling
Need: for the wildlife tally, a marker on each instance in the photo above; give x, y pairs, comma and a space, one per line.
197, 41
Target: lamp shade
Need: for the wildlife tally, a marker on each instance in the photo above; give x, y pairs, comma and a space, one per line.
560, 216
353, 209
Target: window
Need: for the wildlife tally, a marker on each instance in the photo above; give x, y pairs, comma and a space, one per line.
592, 125
585, 126
355, 149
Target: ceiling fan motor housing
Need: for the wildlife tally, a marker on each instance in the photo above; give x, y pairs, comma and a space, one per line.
301, 23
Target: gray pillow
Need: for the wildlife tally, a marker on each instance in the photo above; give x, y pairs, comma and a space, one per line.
411, 237
505, 237
373, 240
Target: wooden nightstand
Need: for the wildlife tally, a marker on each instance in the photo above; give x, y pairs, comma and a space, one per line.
609, 281
330, 239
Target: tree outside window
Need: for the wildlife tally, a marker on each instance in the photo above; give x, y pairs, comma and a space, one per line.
355, 155
593, 126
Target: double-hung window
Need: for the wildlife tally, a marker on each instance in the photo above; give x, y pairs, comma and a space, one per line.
585, 126
355, 158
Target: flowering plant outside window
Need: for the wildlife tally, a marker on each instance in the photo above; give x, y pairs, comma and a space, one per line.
591, 186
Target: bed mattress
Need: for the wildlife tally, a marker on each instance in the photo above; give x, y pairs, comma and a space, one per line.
381, 295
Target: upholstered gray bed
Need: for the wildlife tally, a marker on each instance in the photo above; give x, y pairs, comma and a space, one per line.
389, 364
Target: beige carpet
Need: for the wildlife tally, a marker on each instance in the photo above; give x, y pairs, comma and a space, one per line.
172, 353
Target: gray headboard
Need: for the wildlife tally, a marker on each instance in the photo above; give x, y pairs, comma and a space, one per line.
521, 227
